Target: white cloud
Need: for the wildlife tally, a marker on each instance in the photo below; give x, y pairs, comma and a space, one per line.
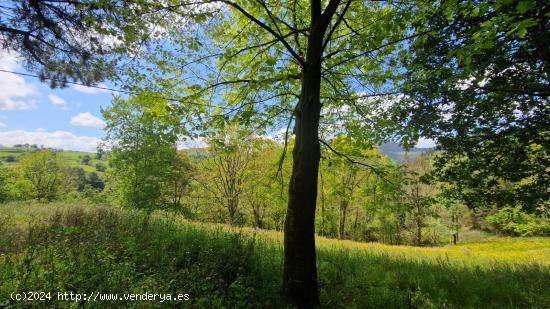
2, 125
90, 90
16, 105
14, 91
425, 143
87, 120
55, 100
279, 136
199, 142
56, 139
465, 84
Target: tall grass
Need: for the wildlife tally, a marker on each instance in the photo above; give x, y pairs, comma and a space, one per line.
84, 249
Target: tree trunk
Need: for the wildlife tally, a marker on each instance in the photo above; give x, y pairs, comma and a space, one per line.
454, 220
343, 215
322, 203
356, 221
257, 213
300, 268
300, 264
232, 205
418, 231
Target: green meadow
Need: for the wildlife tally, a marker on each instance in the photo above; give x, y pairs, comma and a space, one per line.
63, 247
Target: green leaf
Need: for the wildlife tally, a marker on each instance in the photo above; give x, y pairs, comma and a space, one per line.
524, 6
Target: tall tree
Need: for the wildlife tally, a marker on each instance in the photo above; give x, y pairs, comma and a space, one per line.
258, 61
263, 62
264, 191
231, 153
179, 178
143, 150
418, 192
348, 173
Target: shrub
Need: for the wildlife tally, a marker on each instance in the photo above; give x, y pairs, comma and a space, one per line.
9, 158
100, 167
514, 221
86, 160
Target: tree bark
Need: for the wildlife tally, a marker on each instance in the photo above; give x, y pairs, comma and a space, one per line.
300, 268
322, 203
300, 264
343, 215
454, 221
418, 222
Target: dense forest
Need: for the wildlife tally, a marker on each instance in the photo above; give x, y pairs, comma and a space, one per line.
307, 186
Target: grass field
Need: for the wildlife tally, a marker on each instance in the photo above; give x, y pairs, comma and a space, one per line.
71, 158
63, 247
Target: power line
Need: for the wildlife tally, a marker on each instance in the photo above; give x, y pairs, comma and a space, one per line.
116, 90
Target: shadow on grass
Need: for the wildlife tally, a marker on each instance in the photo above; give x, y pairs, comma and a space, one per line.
113, 251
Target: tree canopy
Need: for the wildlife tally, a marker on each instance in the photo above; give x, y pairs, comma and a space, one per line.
479, 86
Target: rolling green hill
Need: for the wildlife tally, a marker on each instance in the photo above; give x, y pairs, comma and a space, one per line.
11, 155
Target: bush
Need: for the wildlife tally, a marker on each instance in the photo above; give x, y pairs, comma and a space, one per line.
100, 167
514, 221
9, 158
86, 160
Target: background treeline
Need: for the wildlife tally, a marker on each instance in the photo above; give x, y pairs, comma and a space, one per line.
242, 179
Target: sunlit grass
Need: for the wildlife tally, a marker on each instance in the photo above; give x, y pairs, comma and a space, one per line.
65, 247
511, 250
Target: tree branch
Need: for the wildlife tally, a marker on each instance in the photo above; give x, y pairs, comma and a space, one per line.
338, 21
377, 48
374, 169
266, 27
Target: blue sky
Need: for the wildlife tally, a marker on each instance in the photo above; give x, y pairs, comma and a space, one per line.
31, 112
70, 118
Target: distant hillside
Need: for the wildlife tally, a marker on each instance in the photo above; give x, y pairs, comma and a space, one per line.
392, 150
396, 152
88, 161
11, 154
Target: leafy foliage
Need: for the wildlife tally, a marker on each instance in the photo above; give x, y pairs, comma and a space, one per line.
4, 192
43, 172
144, 154
513, 220
478, 84
76, 41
